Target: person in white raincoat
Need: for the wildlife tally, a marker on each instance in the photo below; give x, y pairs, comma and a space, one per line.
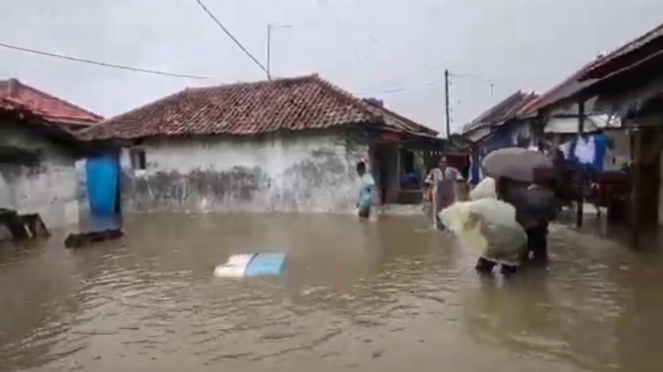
487, 226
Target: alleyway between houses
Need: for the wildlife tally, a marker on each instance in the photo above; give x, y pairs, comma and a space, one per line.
380, 296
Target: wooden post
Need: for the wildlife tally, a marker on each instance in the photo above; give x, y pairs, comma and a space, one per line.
447, 105
537, 127
636, 182
580, 210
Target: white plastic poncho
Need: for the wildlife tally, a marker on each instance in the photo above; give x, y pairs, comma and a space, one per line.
485, 189
488, 226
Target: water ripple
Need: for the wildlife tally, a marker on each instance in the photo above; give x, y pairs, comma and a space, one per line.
370, 297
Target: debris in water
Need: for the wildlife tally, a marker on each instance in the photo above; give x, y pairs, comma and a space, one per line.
251, 265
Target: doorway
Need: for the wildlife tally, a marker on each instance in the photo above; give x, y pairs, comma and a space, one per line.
384, 158
103, 185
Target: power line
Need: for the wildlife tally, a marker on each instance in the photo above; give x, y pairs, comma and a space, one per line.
401, 89
273, 26
488, 81
104, 64
233, 38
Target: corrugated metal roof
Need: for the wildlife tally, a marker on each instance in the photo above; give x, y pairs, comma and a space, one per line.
566, 88
502, 111
600, 67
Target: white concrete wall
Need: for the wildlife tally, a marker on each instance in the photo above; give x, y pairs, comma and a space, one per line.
48, 189
312, 172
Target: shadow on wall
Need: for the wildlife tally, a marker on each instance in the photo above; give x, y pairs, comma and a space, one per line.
81, 188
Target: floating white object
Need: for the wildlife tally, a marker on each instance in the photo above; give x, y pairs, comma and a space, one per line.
235, 267
487, 226
251, 265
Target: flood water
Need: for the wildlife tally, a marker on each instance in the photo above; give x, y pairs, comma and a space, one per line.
380, 296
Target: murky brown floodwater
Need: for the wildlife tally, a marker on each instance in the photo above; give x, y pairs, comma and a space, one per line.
383, 296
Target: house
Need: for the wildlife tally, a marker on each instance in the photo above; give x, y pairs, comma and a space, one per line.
496, 128
497, 115
48, 107
628, 83
37, 173
554, 119
281, 145
57, 114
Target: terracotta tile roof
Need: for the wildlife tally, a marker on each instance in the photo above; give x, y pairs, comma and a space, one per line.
611, 62
45, 105
290, 104
502, 111
7, 104
393, 119
51, 130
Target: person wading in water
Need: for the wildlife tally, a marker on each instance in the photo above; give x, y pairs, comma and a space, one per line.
365, 192
536, 207
443, 182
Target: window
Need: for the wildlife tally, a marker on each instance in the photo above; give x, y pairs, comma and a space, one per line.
137, 158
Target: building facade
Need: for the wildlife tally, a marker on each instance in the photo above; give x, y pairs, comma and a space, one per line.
288, 145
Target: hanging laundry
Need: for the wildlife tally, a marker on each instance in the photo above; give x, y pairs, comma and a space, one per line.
600, 151
585, 150
566, 149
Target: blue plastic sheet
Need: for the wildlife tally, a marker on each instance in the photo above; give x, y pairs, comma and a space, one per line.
265, 264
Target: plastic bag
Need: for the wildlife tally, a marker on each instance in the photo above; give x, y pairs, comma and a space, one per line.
485, 189
488, 227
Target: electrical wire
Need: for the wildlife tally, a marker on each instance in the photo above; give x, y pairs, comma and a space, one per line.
401, 89
104, 64
232, 37
170, 74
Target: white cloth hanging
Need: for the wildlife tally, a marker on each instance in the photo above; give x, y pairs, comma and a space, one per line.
585, 150
565, 148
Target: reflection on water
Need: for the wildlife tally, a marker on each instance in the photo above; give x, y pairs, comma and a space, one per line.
363, 296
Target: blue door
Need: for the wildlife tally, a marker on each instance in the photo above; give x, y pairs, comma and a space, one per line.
102, 184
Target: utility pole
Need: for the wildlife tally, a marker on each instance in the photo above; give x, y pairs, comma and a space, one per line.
447, 109
270, 27
269, 52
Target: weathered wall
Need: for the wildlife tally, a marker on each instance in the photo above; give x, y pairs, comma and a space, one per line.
81, 187
312, 172
48, 189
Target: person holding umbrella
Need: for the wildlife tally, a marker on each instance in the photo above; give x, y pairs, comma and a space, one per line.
536, 207
523, 179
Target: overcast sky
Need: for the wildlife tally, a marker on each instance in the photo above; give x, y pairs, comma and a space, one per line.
396, 50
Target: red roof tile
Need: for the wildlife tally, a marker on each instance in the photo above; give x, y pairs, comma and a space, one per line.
290, 104
45, 105
7, 104
393, 119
